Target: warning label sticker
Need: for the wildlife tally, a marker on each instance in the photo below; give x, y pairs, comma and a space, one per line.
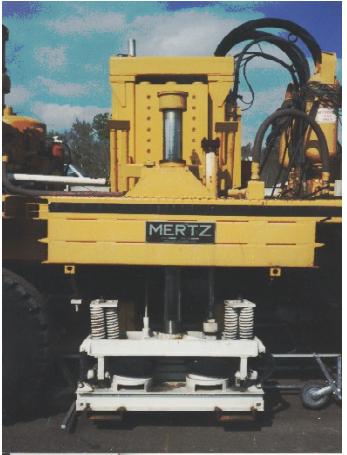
325, 115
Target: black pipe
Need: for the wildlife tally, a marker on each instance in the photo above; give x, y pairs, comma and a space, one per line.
251, 55
172, 300
211, 293
293, 52
323, 150
240, 34
239, 60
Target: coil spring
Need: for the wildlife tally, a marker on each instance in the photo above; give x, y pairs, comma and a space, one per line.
97, 322
112, 323
230, 322
246, 323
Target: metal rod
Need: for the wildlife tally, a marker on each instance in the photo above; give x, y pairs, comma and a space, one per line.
211, 293
172, 300
131, 47
69, 418
282, 387
56, 179
324, 369
303, 356
172, 134
309, 356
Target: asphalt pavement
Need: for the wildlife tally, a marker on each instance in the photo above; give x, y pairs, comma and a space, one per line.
285, 427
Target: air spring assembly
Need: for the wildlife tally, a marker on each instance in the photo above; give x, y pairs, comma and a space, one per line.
246, 323
104, 321
231, 321
97, 321
238, 319
112, 323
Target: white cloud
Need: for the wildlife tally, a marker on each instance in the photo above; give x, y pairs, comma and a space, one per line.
70, 89
51, 57
18, 96
88, 22
61, 116
187, 32
93, 68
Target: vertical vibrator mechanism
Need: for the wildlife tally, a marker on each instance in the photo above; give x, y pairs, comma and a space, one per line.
138, 370
177, 135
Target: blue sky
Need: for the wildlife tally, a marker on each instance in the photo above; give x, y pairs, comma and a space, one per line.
58, 52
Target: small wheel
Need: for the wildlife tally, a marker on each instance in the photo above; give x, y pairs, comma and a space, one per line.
309, 400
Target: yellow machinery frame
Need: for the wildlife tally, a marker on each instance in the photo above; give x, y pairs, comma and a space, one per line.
137, 133
249, 232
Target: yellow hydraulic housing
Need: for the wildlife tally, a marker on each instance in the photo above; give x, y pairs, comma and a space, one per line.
139, 86
325, 116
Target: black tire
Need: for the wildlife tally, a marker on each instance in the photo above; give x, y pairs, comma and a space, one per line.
308, 399
25, 347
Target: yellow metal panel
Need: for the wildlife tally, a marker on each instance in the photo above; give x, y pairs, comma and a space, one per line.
266, 232
115, 229
111, 238
125, 66
326, 73
149, 129
120, 239
163, 181
195, 127
192, 255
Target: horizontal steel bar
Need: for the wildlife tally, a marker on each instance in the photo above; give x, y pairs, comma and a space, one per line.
56, 179
303, 356
173, 348
282, 387
233, 401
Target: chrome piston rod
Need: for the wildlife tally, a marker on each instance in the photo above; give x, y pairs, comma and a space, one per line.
172, 135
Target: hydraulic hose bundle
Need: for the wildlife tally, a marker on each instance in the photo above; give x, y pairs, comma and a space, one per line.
293, 119
242, 33
292, 113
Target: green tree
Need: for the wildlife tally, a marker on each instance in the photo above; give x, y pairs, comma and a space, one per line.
89, 145
100, 126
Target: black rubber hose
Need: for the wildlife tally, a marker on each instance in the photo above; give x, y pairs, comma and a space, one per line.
293, 52
239, 60
251, 55
323, 149
239, 34
14, 189
235, 90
